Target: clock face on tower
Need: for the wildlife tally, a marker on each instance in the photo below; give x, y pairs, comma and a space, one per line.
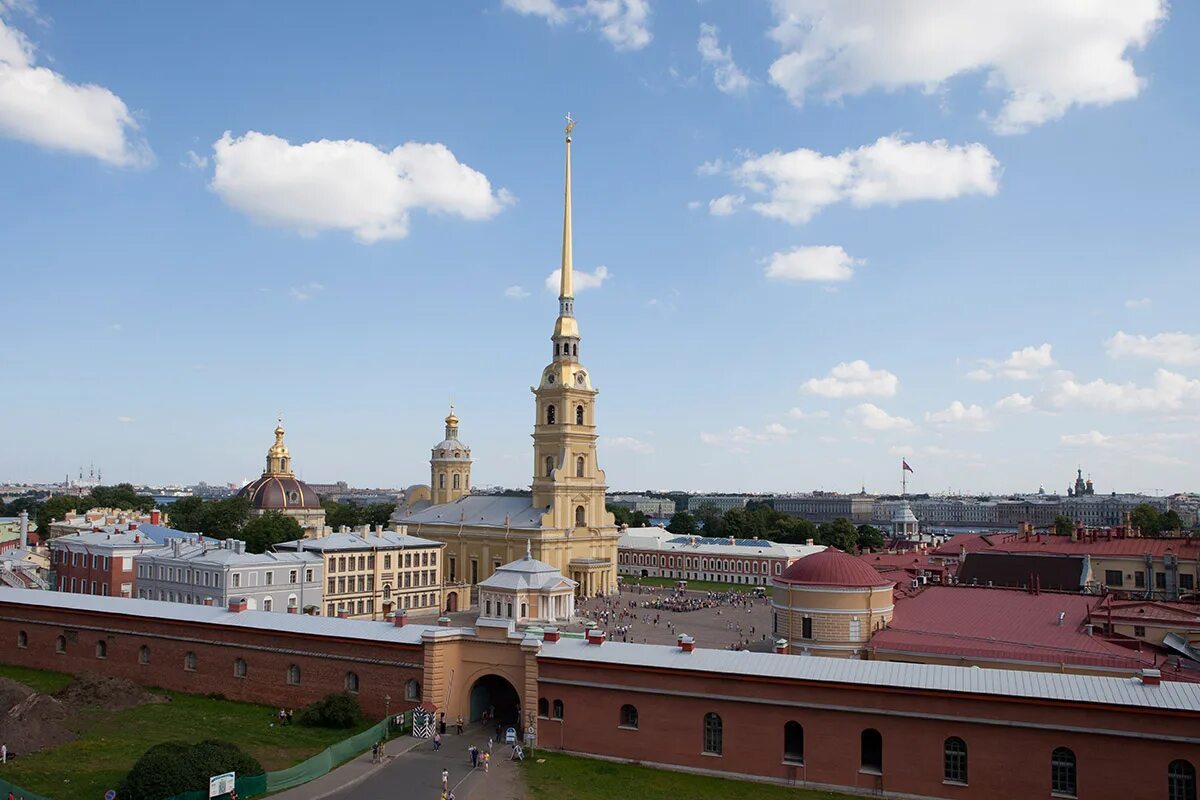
581, 377
550, 378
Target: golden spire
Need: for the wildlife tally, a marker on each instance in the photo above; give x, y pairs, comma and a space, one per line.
566, 290
278, 457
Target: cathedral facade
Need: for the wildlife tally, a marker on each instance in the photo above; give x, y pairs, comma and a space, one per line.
563, 522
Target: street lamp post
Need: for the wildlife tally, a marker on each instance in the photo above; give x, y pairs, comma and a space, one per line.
387, 711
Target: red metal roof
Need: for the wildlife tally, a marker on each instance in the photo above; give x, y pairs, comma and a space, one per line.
1005, 625
1188, 549
832, 567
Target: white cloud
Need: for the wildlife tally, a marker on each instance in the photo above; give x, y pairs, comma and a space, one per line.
853, 379
1170, 348
1044, 56
800, 413
1095, 438
305, 291
872, 417
727, 76
1021, 365
1139, 304
516, 293
192, 160
694, 204
581, 279
1152, 447
40, 106
812, 263
725, 205
960, 415
1169, 392
931, 451
347, 184
1015, 403
740, 438
625, 24
628, 443
800, 183
125, 420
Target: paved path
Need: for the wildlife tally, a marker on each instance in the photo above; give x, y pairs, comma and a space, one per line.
417, 773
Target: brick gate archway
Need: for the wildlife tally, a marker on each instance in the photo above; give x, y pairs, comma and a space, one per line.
496, 697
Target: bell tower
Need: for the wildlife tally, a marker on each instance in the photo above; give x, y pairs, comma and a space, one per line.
566, 474
449, 466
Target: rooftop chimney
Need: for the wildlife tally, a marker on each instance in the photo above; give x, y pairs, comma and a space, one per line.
686, 643
133, 526
343, 614
595, 636
781, 646
237, 605
155, 516
550, 635
1150, 677
1062, 615
293, 609
24, 517
443, 622
400, 618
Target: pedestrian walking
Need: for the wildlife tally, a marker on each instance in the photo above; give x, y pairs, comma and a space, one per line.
474, 751
375, 753
4, 754
459, 724
437, 742
487, 759
445, 781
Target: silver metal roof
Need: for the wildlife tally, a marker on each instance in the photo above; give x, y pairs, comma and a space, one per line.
364, 630
491, 510
377, 540
1170, 695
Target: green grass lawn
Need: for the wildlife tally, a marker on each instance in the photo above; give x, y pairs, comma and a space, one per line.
110, 742
696, 586
571, 778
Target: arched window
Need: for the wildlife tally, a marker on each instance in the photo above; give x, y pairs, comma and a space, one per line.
713, 736
629, 717
550, 415
293, 675
412, 689
580, 516
189, 661
1062, 771
955, 760
22, 639
144, 655
558, 709
60, 644
283, 464
524, 611
352, 682
872, 751
457, 480
578, 415
543, 707
101, 649
1181, 781
793, 743
549, 466
580, 463
574, 349
239, 668
556, 348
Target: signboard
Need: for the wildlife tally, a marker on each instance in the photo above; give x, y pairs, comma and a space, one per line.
510, 736
111, 794
221, 784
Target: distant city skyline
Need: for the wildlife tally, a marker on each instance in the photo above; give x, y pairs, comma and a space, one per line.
798, 261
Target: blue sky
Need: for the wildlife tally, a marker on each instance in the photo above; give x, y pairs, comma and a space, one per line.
828, 239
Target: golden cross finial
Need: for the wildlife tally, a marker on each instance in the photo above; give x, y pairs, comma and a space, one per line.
570, 126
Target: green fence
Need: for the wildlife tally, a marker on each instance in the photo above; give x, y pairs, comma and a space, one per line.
302, 773
18, 792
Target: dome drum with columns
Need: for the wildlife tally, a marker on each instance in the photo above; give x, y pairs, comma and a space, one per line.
279, 491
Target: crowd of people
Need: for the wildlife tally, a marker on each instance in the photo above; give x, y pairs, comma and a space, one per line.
635, 611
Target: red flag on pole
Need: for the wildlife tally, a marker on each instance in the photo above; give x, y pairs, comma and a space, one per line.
906, 466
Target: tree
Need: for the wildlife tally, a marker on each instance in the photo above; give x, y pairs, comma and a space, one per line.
1171, 521
339, 514
870, 537
121, 496
379, 514
840, 533
620, 513
57, 507
711, 520
638, 519
332, 711
1063, 526
683, 524
261, 533
1147, 518
172, 768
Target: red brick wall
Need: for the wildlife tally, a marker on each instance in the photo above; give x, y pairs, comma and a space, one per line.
323, 662
1004, 761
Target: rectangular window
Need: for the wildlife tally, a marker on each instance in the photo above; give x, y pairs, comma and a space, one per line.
1186, 580
341, 585
330, 583
370, 562
237, 580
806, 628
329, 612
452, 565
308, 575
407, 560
1160, 580
270, 577
1113, 577
1139, 579
433, 559
292, 576
1139, 630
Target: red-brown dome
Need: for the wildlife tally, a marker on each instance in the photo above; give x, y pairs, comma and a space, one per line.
832, 567
280, 493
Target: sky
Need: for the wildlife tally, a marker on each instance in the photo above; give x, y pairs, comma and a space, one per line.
812, 238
